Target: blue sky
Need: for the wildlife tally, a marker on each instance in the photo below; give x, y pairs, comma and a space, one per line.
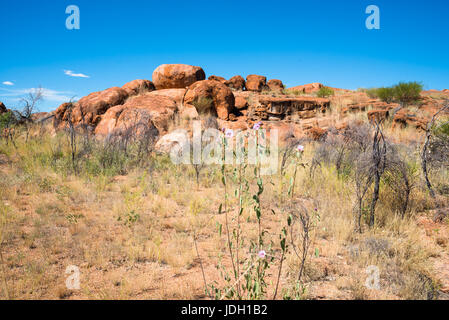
296, 41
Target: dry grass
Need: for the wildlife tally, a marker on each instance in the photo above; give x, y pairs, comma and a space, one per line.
132, 235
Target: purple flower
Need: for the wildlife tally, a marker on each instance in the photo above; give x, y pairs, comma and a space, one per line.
257, 125
228, 133
262, 254
300, 148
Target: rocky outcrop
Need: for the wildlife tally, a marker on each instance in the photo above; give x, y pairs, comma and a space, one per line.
256, 83
307, 88
136, 87
210, 96
286, 108
89, 109
217, 78
175, 94
138, 112
275, 85
236, 83
404, 118
378, 115
430, 106
2, 108
241, 102
174, 76
375, 104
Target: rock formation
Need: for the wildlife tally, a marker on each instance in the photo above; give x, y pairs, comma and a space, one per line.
138, 87
217, 78
404, 118
275, 85
2, 108
88, 110
256, 83
210, 96
236, 83
174, 76
287, 108
138, 111
307, 88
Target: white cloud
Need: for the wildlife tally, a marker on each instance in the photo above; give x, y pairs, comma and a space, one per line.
8, 83
47, 94
70, 73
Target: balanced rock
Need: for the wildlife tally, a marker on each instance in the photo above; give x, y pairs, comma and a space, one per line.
173, 76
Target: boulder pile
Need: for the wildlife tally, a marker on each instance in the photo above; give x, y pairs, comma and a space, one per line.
181, 91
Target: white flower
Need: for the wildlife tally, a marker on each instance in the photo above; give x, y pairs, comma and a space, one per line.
300, 148
262, 254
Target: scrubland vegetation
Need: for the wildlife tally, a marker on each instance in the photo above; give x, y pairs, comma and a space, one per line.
140, 227
403, 92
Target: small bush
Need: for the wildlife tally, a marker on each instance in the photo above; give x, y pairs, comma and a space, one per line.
6, 120
386, 94
407, 92
372, 93
204, 105
325, 92
403, 92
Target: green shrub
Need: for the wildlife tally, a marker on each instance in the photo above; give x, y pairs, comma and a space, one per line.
386, 94
372, 93
6, 119
407, 92
403, 92
325, 92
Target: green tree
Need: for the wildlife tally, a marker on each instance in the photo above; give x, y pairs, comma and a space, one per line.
407, 92
386, 94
